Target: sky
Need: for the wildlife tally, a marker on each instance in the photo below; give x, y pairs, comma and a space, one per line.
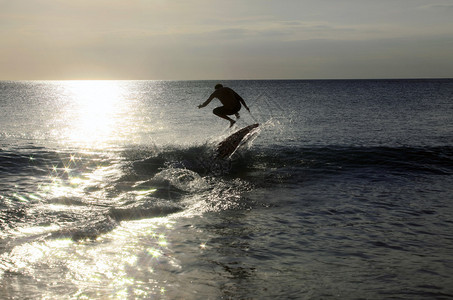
230, 39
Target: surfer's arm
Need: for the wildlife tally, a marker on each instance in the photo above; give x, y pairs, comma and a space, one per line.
241, 100
207, 101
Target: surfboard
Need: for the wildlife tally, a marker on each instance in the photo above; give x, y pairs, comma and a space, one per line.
226, 147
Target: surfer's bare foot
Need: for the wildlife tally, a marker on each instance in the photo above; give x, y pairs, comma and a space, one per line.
232, 123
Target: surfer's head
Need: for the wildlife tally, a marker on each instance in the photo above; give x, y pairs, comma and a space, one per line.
218, 86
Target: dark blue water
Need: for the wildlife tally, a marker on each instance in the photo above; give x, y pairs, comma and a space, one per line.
111, 190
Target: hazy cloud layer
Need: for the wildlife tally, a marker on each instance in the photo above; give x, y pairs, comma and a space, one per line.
204, 39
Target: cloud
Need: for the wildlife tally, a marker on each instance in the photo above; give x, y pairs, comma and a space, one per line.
436, 6
201, 39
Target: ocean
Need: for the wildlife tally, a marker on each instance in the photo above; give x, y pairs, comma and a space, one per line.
111, 190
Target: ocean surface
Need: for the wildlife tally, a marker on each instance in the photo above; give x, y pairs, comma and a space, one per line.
111, 190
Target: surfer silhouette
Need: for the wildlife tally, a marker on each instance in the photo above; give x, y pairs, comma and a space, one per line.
231, 103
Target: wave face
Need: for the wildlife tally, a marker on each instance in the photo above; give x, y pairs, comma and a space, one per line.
90, 193
84, 195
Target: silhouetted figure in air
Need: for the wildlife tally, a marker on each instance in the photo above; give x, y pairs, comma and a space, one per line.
231, 103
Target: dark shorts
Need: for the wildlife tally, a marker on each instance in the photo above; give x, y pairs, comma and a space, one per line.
222, 110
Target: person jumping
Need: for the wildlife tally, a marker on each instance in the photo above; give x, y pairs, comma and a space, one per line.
231, 103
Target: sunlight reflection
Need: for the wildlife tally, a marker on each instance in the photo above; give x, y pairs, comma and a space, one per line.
125, 263
95, 110
23, 231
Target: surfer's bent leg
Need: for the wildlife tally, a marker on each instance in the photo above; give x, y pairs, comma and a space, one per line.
223, 112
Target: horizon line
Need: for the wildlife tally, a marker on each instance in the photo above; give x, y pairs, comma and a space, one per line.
240, 79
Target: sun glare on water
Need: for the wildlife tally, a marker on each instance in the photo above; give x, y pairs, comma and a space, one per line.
94, 115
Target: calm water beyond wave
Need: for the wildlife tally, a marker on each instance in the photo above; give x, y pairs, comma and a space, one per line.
110, 190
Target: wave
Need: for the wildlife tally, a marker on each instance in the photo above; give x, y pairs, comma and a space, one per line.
140, 183
144, 163
296, 164
39, 161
